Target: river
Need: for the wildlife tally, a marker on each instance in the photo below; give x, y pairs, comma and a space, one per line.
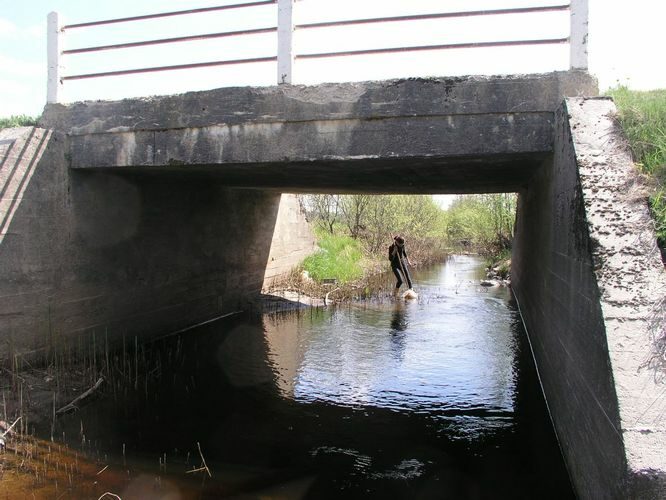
432, 398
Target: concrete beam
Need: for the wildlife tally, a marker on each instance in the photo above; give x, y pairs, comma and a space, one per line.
419, 97
473, 134
457, 153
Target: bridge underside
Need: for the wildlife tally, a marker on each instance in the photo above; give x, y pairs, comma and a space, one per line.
508, 173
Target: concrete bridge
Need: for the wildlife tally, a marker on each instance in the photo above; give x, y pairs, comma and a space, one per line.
146, 215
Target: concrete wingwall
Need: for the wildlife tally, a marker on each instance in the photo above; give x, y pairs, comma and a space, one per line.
589, 281
293, 240
89, 251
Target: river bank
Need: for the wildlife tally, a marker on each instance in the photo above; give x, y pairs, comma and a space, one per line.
297, 289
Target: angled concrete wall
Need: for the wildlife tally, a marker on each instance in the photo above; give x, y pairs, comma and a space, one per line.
589, 281
92, 251
293, 240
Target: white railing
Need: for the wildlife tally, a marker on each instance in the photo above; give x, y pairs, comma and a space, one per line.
286, 57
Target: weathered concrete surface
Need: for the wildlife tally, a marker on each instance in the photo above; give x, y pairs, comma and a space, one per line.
88, 251
632, 286
20, 150
293, 240
589, 281
472, 134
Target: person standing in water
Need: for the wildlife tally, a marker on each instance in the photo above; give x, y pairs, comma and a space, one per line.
399, 262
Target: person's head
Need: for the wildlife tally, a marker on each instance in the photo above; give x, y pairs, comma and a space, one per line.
400, 241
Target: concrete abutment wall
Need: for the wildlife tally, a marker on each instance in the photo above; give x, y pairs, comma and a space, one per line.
589, 281
128, 255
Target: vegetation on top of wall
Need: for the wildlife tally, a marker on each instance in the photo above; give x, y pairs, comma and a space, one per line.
18, 121
642, 116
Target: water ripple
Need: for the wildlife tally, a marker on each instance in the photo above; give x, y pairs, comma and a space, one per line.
451, 354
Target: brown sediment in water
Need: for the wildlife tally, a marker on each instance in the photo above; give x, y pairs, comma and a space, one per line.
32, 468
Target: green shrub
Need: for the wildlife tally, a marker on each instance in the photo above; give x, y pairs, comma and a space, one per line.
485, 223
339, 257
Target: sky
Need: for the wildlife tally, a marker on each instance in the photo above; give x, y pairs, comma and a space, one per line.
625, 45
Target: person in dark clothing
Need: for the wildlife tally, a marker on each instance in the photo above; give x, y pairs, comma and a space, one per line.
399, 262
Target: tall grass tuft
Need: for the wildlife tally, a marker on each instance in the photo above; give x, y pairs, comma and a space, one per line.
642, 115
339, 257
18, 121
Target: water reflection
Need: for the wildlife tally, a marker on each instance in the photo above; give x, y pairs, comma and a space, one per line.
451, 356
397, 332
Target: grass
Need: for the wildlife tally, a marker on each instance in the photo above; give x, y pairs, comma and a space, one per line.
642, 115
18, 121
339, 257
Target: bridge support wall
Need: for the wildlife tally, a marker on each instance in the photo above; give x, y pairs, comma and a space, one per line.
91, 252
589, 282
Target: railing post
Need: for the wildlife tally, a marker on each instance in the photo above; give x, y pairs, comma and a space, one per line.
53, 53
285, 32
578, 36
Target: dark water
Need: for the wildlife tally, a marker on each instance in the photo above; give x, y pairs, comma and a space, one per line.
435, 398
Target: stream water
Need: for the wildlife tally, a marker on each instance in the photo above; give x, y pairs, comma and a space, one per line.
433, 398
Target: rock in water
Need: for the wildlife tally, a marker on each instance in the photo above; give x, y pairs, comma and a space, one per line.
410, 294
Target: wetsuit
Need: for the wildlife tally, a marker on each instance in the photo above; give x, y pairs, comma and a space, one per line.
397, 256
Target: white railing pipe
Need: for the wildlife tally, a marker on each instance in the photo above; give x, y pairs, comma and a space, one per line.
578, 36
285, 52
54, 40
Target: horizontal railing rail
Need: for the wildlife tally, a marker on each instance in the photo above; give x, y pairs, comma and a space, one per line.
437, 15
178, 39
170, 14
285, 28
155, 69
417, 48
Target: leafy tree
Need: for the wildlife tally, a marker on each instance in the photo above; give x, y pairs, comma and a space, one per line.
376, 231
353, 208
322, 209
485, 222
375, 219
